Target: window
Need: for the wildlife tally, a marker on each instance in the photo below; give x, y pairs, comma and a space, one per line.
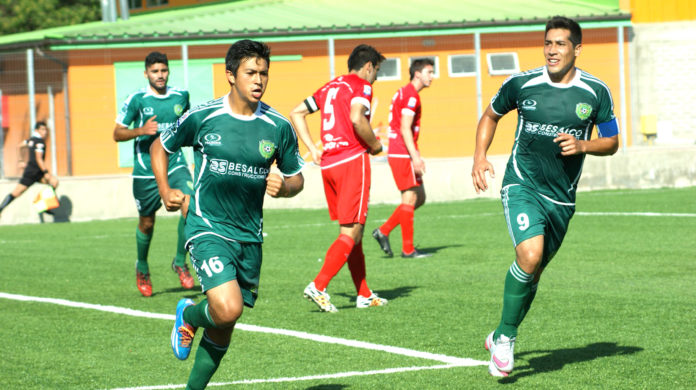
503, 63
134, 4
435, 59
390, 69
155, 3
462, 65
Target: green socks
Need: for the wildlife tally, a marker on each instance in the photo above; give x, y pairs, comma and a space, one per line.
515, 298
208, 357
180, 258
198, 315
143, 247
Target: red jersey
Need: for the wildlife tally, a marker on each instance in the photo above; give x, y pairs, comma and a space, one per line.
406, 101
334, 99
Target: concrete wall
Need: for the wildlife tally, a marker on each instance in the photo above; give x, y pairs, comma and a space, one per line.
663, 85
106, 197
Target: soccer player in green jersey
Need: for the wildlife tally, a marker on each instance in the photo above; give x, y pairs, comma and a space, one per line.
236, 138
558, 106
152, 110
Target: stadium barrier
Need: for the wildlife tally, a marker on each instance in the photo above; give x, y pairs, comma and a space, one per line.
107, 197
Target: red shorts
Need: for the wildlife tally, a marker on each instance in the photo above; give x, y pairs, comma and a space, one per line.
347, 190
404, 174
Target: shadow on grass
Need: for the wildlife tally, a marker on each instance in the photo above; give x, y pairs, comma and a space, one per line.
555, 360
180, 291
428, 249
327, 387
394, 293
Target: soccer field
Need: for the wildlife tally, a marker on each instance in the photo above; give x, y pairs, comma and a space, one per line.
615, 309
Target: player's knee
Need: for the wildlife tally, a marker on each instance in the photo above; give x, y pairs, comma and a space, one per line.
226, 314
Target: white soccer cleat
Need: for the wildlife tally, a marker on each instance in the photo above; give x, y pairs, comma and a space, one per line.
502, 354
372, 300
321, 298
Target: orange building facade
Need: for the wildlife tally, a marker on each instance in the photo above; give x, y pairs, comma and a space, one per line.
298, 68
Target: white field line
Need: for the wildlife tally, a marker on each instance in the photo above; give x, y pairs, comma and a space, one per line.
450, 361
300, 378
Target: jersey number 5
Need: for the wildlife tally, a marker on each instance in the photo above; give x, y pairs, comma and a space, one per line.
329, 123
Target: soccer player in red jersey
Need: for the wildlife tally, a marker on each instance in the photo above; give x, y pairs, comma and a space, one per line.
404, 158
347, 136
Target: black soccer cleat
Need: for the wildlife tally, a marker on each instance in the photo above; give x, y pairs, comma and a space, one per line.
383, 242
415, 254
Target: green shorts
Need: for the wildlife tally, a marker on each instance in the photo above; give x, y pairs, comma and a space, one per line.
146, 194
218, 260
529, 214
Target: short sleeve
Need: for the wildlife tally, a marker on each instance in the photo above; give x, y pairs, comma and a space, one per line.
288, 156
128, 112
181, 134
506, 98
605, 109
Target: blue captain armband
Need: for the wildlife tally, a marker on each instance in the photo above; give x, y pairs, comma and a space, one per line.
608, 129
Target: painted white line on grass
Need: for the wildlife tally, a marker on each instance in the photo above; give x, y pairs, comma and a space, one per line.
634, 214
301, 378
261, 329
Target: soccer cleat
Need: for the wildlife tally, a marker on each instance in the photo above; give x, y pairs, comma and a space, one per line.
182, 333
144, 283
502, 354
321, 298
373, 300
383, 242
184, 275
416, 254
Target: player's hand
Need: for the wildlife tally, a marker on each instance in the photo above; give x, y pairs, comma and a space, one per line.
376, 147
569, 145
275, 185
478, 174
173, 199
150, 127
316, 156
419, 166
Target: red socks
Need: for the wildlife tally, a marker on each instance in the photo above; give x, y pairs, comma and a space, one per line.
403, 215
356, 264
336, 256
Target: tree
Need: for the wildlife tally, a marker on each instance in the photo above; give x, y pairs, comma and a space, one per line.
28, 15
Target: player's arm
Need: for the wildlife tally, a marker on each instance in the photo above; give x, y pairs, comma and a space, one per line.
172, 198
484, 136
284, 187
123, 133
407, 136
363, 129
606, 145
298, 118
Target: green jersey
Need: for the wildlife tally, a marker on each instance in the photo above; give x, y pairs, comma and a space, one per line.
141, 106
545, 109
233, 155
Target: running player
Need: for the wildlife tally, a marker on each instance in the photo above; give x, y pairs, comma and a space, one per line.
405, 160
345, 168
558, 105
236, 138
152, 110
36, 169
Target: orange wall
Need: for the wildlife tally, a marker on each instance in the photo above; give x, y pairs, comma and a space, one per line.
652, 11
449, 105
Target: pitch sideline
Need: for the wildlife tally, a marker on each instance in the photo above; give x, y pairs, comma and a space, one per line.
450, 361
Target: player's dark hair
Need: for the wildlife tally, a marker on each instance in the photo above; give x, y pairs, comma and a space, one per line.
362, 54
39, 124
156, 58
419, 64
245, 49
567, 24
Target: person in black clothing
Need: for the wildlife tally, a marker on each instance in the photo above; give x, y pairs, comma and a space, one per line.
36, 169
